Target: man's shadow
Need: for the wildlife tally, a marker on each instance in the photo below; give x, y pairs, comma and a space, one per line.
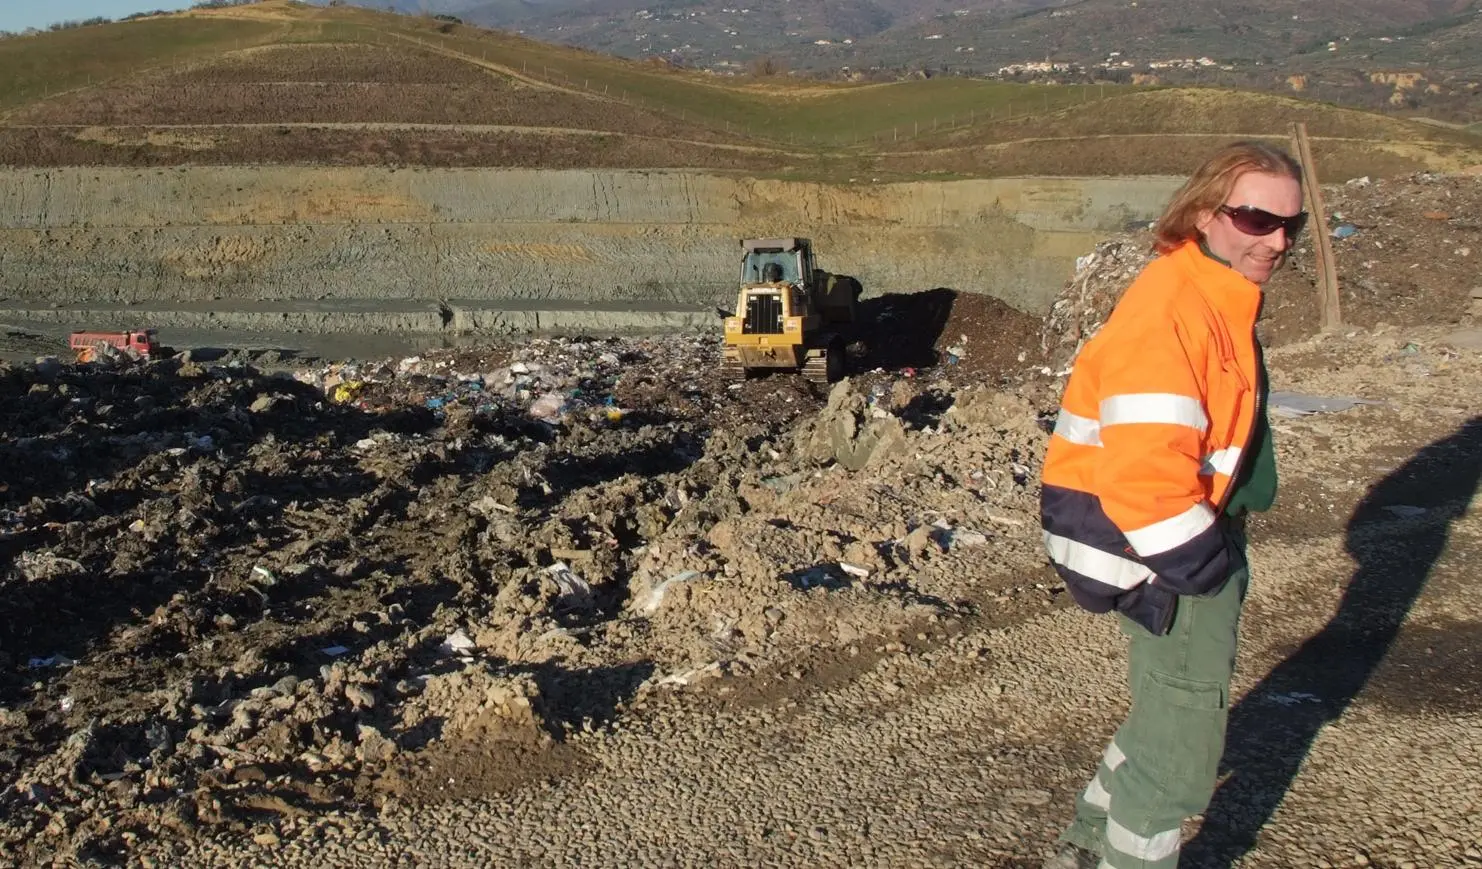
1274, 726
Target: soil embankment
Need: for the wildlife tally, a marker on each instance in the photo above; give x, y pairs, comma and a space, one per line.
366, 250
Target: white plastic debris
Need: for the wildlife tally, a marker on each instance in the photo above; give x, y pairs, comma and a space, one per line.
548, 407
655, 597
967, 538
574, 591
57, 660
689, 677
1295, 404
854, 570
457, 643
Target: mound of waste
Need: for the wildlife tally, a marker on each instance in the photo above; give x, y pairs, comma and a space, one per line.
233, 597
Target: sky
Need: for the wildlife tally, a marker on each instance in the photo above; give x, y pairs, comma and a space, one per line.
17, 15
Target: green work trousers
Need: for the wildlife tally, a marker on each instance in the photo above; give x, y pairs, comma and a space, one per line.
1162, 764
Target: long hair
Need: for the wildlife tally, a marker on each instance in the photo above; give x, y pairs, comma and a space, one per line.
1210, 185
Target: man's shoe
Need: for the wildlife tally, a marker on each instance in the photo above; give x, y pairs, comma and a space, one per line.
1072, 857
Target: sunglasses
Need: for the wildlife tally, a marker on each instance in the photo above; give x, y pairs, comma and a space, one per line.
1256, 221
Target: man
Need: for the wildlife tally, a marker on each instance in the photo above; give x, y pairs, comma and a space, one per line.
1160, 450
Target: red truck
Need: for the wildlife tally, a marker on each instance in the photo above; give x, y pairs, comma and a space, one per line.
138, 344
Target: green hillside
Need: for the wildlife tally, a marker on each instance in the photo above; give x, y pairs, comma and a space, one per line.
279, 82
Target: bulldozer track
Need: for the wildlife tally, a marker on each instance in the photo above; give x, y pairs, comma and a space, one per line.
815, 369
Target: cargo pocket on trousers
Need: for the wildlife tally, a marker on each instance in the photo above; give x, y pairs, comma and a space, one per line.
1185, 735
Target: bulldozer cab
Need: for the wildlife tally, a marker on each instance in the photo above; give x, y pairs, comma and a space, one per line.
776, 260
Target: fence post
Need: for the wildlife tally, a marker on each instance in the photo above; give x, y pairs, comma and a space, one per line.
1330, 317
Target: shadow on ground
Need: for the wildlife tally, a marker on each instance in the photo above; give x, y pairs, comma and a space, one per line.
1273, 727
901, 330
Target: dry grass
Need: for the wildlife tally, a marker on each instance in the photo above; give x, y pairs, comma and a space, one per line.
41, 147
313, 68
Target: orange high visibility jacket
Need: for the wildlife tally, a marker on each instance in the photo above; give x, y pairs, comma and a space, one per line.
1158, 409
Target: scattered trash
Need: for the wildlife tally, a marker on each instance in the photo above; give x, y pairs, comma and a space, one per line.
688, 677
1294, 404
548, 407
457, 643
820, 576
346, 392
57, 660
1088, 298
67, 704
854, 570
1345, 230
966, 538
655, 597
574, 592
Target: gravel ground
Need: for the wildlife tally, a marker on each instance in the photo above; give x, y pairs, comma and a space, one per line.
1355, 740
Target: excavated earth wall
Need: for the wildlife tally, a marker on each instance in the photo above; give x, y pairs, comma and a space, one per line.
322, 248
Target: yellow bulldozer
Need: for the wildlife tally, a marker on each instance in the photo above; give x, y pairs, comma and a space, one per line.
789, 315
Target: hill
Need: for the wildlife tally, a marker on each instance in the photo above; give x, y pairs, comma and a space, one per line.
1335, 46
279, 82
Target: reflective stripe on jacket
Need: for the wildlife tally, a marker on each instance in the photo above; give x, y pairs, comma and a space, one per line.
1158, 408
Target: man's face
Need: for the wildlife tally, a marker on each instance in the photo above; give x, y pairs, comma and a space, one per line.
1255, 256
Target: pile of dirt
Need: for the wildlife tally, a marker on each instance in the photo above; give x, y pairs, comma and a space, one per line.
976, 337
231, 595
1406, 252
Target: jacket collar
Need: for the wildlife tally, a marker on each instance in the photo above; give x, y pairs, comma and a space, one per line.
1231, 293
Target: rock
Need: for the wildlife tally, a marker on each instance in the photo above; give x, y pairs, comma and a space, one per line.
993, 409
372, 746
359, 697
848, 433
1028, 796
